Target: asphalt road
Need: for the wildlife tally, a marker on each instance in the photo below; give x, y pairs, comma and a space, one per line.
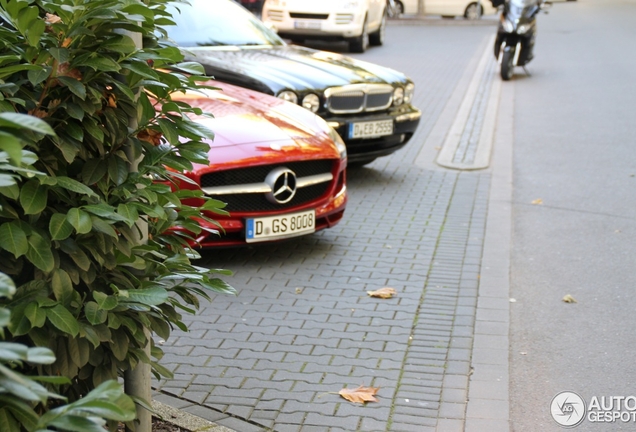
575, 128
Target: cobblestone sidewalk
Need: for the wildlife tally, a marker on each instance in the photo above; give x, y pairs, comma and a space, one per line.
303, 327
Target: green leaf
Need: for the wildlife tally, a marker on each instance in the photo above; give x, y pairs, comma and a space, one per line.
36, 76
148, 296
35, 31
191, 68
12, 145
80, 220
60, 54
141, 68
93, 171
7, 180
33, 197
102, 226
74, 423
169, 130
39, 253
94, 314
13, 239
120, 44
119, 344
40, 355
63, 320
105, 301
5, 317
102, 64
75, 86
117, 170
75, 186
35, 314
62, 286
59, 227
129, 213
7, 286
25, 121
12, 191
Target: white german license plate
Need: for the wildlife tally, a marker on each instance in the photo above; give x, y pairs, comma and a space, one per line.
313, 25
273, 227
371, 129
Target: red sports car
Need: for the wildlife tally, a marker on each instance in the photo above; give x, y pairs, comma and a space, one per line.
279, 167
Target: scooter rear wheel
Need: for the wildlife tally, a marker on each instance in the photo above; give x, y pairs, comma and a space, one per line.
507, 65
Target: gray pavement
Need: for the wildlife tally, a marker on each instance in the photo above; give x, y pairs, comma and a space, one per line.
478, 338
302, 326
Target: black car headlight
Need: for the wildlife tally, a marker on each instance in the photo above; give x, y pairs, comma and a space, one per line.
311, 102
409, 90
289, 96
398, 96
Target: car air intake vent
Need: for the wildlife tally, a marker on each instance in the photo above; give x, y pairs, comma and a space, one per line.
344, 18
357, 98
300, 15
275, 15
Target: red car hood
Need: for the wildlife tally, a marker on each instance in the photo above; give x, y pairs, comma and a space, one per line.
255, 128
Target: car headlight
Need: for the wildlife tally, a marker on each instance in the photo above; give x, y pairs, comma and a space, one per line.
289, 96
523, 28
311, 102
337, 139
398, 96
409, 90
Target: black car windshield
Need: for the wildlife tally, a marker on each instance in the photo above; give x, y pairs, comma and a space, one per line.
218, 23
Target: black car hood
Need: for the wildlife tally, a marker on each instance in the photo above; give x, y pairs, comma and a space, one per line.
275, 68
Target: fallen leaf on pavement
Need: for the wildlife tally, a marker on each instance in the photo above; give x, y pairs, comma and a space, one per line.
537, 201
569, 299
384, 293
361, 394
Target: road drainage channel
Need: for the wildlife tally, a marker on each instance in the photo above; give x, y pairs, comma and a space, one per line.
468, 144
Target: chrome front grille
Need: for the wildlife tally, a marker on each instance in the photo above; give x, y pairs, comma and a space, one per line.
357, 98
244, 189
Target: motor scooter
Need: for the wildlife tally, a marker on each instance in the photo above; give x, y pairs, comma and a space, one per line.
516, 34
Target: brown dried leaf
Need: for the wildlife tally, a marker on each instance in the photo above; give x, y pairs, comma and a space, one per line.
384, 293
151, 136
361, 394
569, 299
51, 19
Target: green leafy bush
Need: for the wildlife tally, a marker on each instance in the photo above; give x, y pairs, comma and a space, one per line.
21, 395
77, 193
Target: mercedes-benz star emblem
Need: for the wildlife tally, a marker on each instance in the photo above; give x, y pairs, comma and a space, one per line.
282, 184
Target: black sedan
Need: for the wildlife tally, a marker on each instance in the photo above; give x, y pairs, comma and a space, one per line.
368, 105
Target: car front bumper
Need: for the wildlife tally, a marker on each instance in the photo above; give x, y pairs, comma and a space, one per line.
406, 119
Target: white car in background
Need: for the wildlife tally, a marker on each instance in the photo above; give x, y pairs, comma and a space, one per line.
359, 22
469, 9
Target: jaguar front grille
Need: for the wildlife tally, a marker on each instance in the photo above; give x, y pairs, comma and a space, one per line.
358, 98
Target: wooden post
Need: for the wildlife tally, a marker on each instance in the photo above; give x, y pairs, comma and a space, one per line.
137, 380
